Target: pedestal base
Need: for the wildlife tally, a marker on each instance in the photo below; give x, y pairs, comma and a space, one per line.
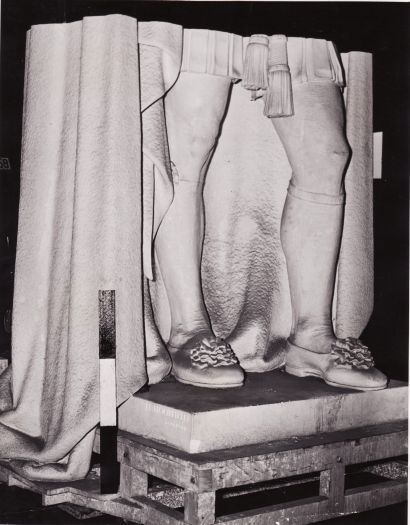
322, 463
271, 406
326, 468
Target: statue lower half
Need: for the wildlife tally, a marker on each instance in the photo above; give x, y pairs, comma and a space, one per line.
317, 150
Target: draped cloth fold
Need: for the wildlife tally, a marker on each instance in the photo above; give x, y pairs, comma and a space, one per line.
80, 220
95, 185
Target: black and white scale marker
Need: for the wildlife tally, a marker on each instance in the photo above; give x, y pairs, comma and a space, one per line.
109, 477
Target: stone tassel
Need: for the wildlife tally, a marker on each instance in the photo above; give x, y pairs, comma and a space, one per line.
278, 97
255, 70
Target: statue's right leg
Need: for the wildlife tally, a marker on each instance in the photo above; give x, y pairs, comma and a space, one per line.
194, 110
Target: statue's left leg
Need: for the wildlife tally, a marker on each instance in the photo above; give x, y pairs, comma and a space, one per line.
312, 221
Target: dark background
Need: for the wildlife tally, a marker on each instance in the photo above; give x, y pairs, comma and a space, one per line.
378, 28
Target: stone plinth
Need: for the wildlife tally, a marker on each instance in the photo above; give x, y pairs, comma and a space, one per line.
270, 406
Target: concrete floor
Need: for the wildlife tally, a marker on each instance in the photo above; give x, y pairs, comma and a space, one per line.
19, 506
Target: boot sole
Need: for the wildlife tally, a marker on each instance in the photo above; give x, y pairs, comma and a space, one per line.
306, 372
207, 385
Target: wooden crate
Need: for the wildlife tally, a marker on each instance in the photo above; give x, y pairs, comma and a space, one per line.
324, 457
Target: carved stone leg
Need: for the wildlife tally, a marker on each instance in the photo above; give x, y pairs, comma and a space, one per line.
311, 230
199, 508
133, 482
194, 110
315, 143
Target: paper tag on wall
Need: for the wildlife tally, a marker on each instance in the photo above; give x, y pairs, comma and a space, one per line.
377, 154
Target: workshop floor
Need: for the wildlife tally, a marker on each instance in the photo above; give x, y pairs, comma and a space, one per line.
19, 506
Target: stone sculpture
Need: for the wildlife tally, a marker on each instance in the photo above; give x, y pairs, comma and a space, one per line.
93, 110
312, 130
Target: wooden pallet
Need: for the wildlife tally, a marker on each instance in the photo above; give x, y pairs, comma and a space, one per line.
324, 457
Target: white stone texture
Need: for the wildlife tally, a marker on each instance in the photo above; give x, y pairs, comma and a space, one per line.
270, 407
80, 224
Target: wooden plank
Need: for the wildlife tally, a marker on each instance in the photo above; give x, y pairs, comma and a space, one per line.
15, 480
300, 512
271, 485
307, 510
125, 509
139, 509
312, 510
127, 441
199, 508
61, 498
166, 468
54, 492
133, 482
370, 497
155, 513
263, 462
88, 487
255, 469
79, 513
332, 486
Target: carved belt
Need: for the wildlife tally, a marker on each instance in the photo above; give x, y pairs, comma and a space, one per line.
267, 65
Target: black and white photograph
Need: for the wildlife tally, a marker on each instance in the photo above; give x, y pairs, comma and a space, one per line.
204, 262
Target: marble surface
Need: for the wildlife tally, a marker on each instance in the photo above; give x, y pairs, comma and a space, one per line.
272, 405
